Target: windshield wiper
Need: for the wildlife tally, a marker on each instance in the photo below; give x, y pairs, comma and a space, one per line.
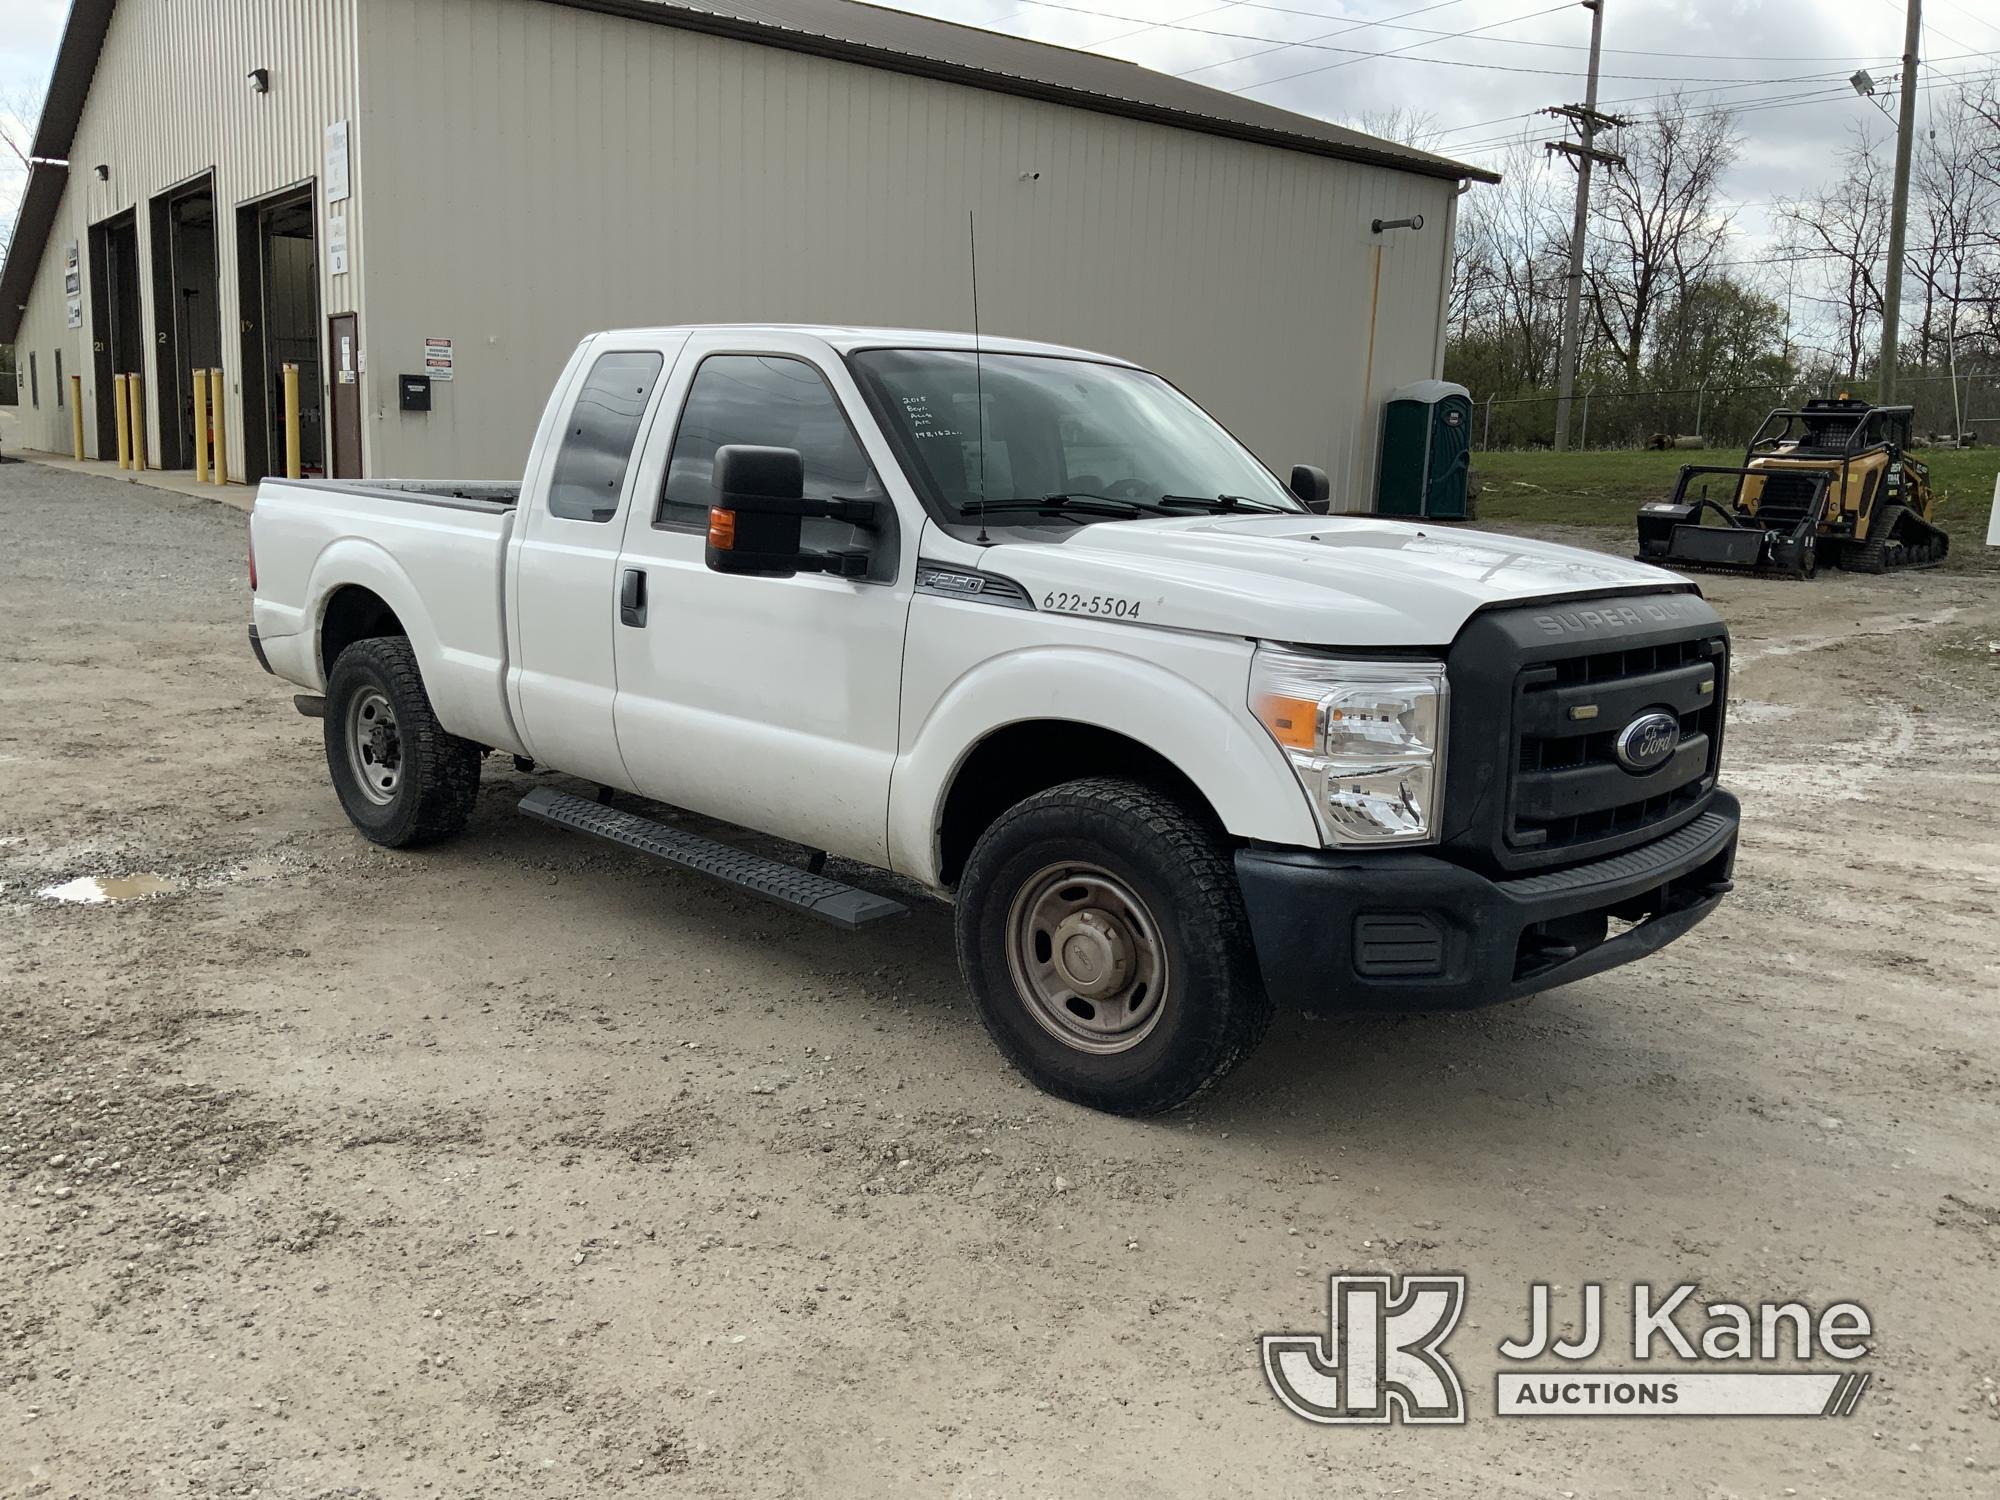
1056, 505
1223, 502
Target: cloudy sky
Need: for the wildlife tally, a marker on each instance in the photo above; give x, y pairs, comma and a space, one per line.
1480, 67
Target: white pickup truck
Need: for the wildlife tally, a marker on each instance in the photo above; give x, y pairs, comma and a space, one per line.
1026, 626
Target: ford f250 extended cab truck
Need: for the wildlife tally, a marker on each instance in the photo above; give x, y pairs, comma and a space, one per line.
1026, 626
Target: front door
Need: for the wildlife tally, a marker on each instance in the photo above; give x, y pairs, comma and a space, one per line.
768, 702
343, 344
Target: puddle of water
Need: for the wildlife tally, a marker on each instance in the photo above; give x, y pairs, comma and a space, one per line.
95, 890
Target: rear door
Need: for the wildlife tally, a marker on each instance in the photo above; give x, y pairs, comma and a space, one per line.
564, 570
769, 702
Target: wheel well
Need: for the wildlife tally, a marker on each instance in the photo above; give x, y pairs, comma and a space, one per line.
353, 614
1014, 763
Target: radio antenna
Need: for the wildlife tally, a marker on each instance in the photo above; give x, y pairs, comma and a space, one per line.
978, 369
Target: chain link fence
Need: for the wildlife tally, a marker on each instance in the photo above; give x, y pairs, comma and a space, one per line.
1724, 415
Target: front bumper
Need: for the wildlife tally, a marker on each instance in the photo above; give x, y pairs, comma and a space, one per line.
1338, 931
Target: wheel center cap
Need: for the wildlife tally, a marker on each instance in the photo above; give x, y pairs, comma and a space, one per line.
1092, 954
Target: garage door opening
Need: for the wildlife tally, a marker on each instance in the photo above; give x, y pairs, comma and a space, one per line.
278, 278
187, 310
118, 343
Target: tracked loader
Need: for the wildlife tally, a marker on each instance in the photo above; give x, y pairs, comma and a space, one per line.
1830, 481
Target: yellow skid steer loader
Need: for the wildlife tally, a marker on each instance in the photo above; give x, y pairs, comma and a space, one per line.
1832, 479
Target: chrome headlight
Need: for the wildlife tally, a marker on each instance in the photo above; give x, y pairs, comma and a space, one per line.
1365, 737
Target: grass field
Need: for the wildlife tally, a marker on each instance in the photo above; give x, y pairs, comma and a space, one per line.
1605, 489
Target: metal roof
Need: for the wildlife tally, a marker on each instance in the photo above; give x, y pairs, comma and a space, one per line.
31, 235
871, 35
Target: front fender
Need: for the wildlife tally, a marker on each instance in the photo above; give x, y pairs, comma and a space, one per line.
1196, 717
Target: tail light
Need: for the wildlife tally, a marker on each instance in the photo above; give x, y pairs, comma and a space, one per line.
251, 534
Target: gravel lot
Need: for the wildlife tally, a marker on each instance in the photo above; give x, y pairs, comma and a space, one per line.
523, 1168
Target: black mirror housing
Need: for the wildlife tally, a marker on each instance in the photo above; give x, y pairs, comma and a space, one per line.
759, 511
1314, 489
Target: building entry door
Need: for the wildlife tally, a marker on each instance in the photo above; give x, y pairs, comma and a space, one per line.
343, 346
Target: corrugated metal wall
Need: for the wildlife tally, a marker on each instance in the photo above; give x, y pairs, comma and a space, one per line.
539, 172
169, 101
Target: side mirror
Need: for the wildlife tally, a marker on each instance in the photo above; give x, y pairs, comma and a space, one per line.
759, 514
1312, 486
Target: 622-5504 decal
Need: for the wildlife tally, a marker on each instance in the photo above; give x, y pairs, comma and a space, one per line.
1091, 604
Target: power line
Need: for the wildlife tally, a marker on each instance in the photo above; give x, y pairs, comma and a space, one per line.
1323, 36
1793, 258
1721, 89
1815, 96
1363, 54
1391, 24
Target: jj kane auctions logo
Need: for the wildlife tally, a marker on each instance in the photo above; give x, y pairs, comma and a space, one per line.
1382, 1357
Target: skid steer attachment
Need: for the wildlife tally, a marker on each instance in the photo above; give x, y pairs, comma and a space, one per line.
1831, 479
1674, 535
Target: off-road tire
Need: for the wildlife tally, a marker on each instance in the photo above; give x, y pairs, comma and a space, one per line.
1213, 1009
438, 777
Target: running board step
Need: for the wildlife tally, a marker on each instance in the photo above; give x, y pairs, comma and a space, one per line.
816, 895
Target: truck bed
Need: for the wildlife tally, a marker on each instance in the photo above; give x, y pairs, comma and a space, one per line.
492, 494
435, 552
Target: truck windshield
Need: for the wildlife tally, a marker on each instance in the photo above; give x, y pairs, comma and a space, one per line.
1060, 437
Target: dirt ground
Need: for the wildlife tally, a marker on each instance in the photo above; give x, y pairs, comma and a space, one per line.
523, 1168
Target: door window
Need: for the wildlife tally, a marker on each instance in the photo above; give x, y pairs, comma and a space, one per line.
603, 425
772, 401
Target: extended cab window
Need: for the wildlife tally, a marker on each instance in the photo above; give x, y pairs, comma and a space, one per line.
773, 401
597, 446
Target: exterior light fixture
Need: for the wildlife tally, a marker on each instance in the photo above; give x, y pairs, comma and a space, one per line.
103, 172
260, 80
1415, 221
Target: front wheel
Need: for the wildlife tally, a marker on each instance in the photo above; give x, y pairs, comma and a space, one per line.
1102, 934
402, 777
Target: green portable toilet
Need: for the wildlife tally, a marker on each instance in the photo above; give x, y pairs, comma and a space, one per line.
1426, 449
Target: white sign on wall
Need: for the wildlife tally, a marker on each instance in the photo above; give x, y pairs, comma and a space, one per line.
336, 244
437, 358
335, 176
73, 285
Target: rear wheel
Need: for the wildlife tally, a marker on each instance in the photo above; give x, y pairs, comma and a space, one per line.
1102, 934
402, 778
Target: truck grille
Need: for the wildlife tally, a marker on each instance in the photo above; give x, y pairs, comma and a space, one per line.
1569, 787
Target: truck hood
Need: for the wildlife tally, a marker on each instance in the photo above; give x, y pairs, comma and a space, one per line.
1316, 580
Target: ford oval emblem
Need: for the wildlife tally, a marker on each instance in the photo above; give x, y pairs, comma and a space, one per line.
1648, 742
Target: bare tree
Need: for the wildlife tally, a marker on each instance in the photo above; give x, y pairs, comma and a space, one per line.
1508, 271
19, 110
1657, 225
1841, 232
1405, 124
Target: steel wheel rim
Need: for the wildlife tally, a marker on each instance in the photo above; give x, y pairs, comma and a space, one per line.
374, 746
1086, 957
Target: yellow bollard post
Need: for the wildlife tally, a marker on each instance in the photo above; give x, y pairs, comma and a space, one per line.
135, 394
201, 426
216, 403
76, 415
122, 414
291, 421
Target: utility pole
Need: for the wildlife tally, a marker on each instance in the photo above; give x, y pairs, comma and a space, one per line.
1899, 211
1589, 121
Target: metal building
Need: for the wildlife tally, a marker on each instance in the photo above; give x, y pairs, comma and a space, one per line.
379, 189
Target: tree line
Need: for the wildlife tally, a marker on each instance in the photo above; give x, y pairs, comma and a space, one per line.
1678, 305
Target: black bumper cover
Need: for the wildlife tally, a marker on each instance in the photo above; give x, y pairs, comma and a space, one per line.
1338, 931
257, 650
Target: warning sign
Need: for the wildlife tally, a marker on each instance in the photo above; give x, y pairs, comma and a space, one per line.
437, 358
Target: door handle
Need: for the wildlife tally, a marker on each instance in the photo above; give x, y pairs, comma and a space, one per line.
632, 597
